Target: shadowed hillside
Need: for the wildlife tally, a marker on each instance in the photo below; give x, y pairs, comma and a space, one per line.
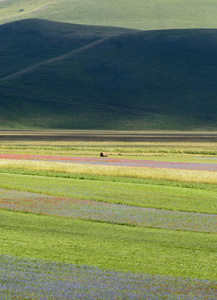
28, 42
56, 75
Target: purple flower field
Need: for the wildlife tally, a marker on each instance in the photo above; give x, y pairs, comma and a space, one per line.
25, 278
36, 279
114, 162
101, 211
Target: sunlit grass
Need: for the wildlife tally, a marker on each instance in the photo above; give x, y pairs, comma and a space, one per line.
12, 9
108, 246
139, 14
125, 193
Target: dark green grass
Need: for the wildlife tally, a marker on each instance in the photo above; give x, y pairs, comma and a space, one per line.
108, 246
136, 80
128, 193
31, 41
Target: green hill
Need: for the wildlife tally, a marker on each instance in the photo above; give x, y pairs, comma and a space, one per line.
146, 64
57, 75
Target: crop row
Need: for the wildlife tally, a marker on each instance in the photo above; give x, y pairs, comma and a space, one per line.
142, 195
22, 278
168, 174
109, 246
107, 212
114, 162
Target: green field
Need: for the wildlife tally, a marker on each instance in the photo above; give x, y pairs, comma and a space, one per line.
116, 224
141, 195
109, 246
134, 79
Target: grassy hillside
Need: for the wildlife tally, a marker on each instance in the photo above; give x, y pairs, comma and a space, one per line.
123, 79
31, 41
137, 14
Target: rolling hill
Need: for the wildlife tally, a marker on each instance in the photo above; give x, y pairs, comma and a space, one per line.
64, 75
71, 76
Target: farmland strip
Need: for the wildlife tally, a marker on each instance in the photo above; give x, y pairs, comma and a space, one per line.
113, 161
51, 280
107, 212
109, 246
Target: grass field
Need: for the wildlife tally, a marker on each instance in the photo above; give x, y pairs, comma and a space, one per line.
142, 195
138, 229
109, 246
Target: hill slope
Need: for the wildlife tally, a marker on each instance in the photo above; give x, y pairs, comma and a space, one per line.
69, 76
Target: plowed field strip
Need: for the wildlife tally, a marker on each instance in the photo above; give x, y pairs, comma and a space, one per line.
107, 212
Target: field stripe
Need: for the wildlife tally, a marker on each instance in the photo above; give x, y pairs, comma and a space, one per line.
107, 212
50, 280
109, 246
114, 162
140, 195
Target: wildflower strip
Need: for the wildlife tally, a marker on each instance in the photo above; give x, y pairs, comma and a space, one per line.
107, 212
113, 162
22, 278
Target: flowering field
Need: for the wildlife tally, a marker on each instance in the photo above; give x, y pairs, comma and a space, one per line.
80, 238
114, 162
126, 193
107, 212
169, 174
24, 278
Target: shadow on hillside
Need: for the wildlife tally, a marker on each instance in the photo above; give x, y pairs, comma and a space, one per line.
93, 77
